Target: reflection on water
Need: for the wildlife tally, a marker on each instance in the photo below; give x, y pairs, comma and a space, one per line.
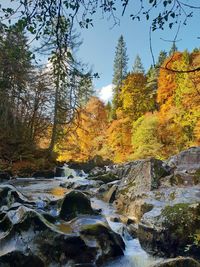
58, 191
65, 228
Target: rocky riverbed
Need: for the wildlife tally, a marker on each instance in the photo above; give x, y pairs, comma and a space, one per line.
144, 213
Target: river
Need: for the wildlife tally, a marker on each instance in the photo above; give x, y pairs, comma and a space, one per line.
134, 255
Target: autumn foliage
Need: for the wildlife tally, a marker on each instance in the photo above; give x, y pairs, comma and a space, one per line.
144, 126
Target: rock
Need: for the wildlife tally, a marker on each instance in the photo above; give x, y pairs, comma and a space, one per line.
4, 176
74, 204
140, 177
106, 178
133, 230
107, 240
188, 160
10, 196
18, 259
44, 174
97, 161
172, 230
178, 262
27, 236
59, 172
110, 195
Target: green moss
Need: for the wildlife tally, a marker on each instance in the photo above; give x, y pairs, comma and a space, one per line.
94, 229
181, 219
158, 173
196, 177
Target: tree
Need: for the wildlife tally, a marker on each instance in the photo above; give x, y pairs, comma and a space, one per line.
15, 75
173, 49
38, 17
133, 96
151, 88
137, 66
145, 139
161, 58
88, 133
120, 71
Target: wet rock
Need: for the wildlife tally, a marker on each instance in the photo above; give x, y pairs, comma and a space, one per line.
171, 230
74, 204
110, 195
188, 160
140, 177
133, 230
97, 161
18, 259
4, 176
26, 235
109, 242
178, 262
44, 174
59, 172
9, 196
106, 178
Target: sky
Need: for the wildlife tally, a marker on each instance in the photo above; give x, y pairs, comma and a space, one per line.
99, 43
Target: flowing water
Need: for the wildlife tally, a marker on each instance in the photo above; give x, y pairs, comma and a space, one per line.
134, 255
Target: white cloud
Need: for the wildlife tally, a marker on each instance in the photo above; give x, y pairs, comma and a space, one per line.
106, 93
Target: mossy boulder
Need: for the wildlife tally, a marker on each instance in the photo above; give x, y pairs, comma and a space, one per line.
75, 203
178, 262
172, 231
141, 177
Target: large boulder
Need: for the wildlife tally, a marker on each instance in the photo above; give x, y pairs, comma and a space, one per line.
178, 262
188, 160
105, 178
139, 178
19, 259
28, 238
172, 226
74, 204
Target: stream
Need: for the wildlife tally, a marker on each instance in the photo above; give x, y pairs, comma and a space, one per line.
134, 255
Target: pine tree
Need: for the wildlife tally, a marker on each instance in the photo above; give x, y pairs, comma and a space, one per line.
137, 66
120, 62
161, 58
173, 49
120, 71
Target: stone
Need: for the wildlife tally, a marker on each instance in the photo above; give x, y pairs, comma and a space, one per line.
74, 204
48, 174
140, 177
87, 240
188, 160
4, 176
18, 259
106, 178
171, 230
110, 195
178, 262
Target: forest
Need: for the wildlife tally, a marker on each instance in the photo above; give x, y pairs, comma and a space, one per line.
152, 114
51, 113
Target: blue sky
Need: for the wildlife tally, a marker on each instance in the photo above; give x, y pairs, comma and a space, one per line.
99, 42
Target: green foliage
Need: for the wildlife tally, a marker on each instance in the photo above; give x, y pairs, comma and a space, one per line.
137, 66
120, 72
145, 140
